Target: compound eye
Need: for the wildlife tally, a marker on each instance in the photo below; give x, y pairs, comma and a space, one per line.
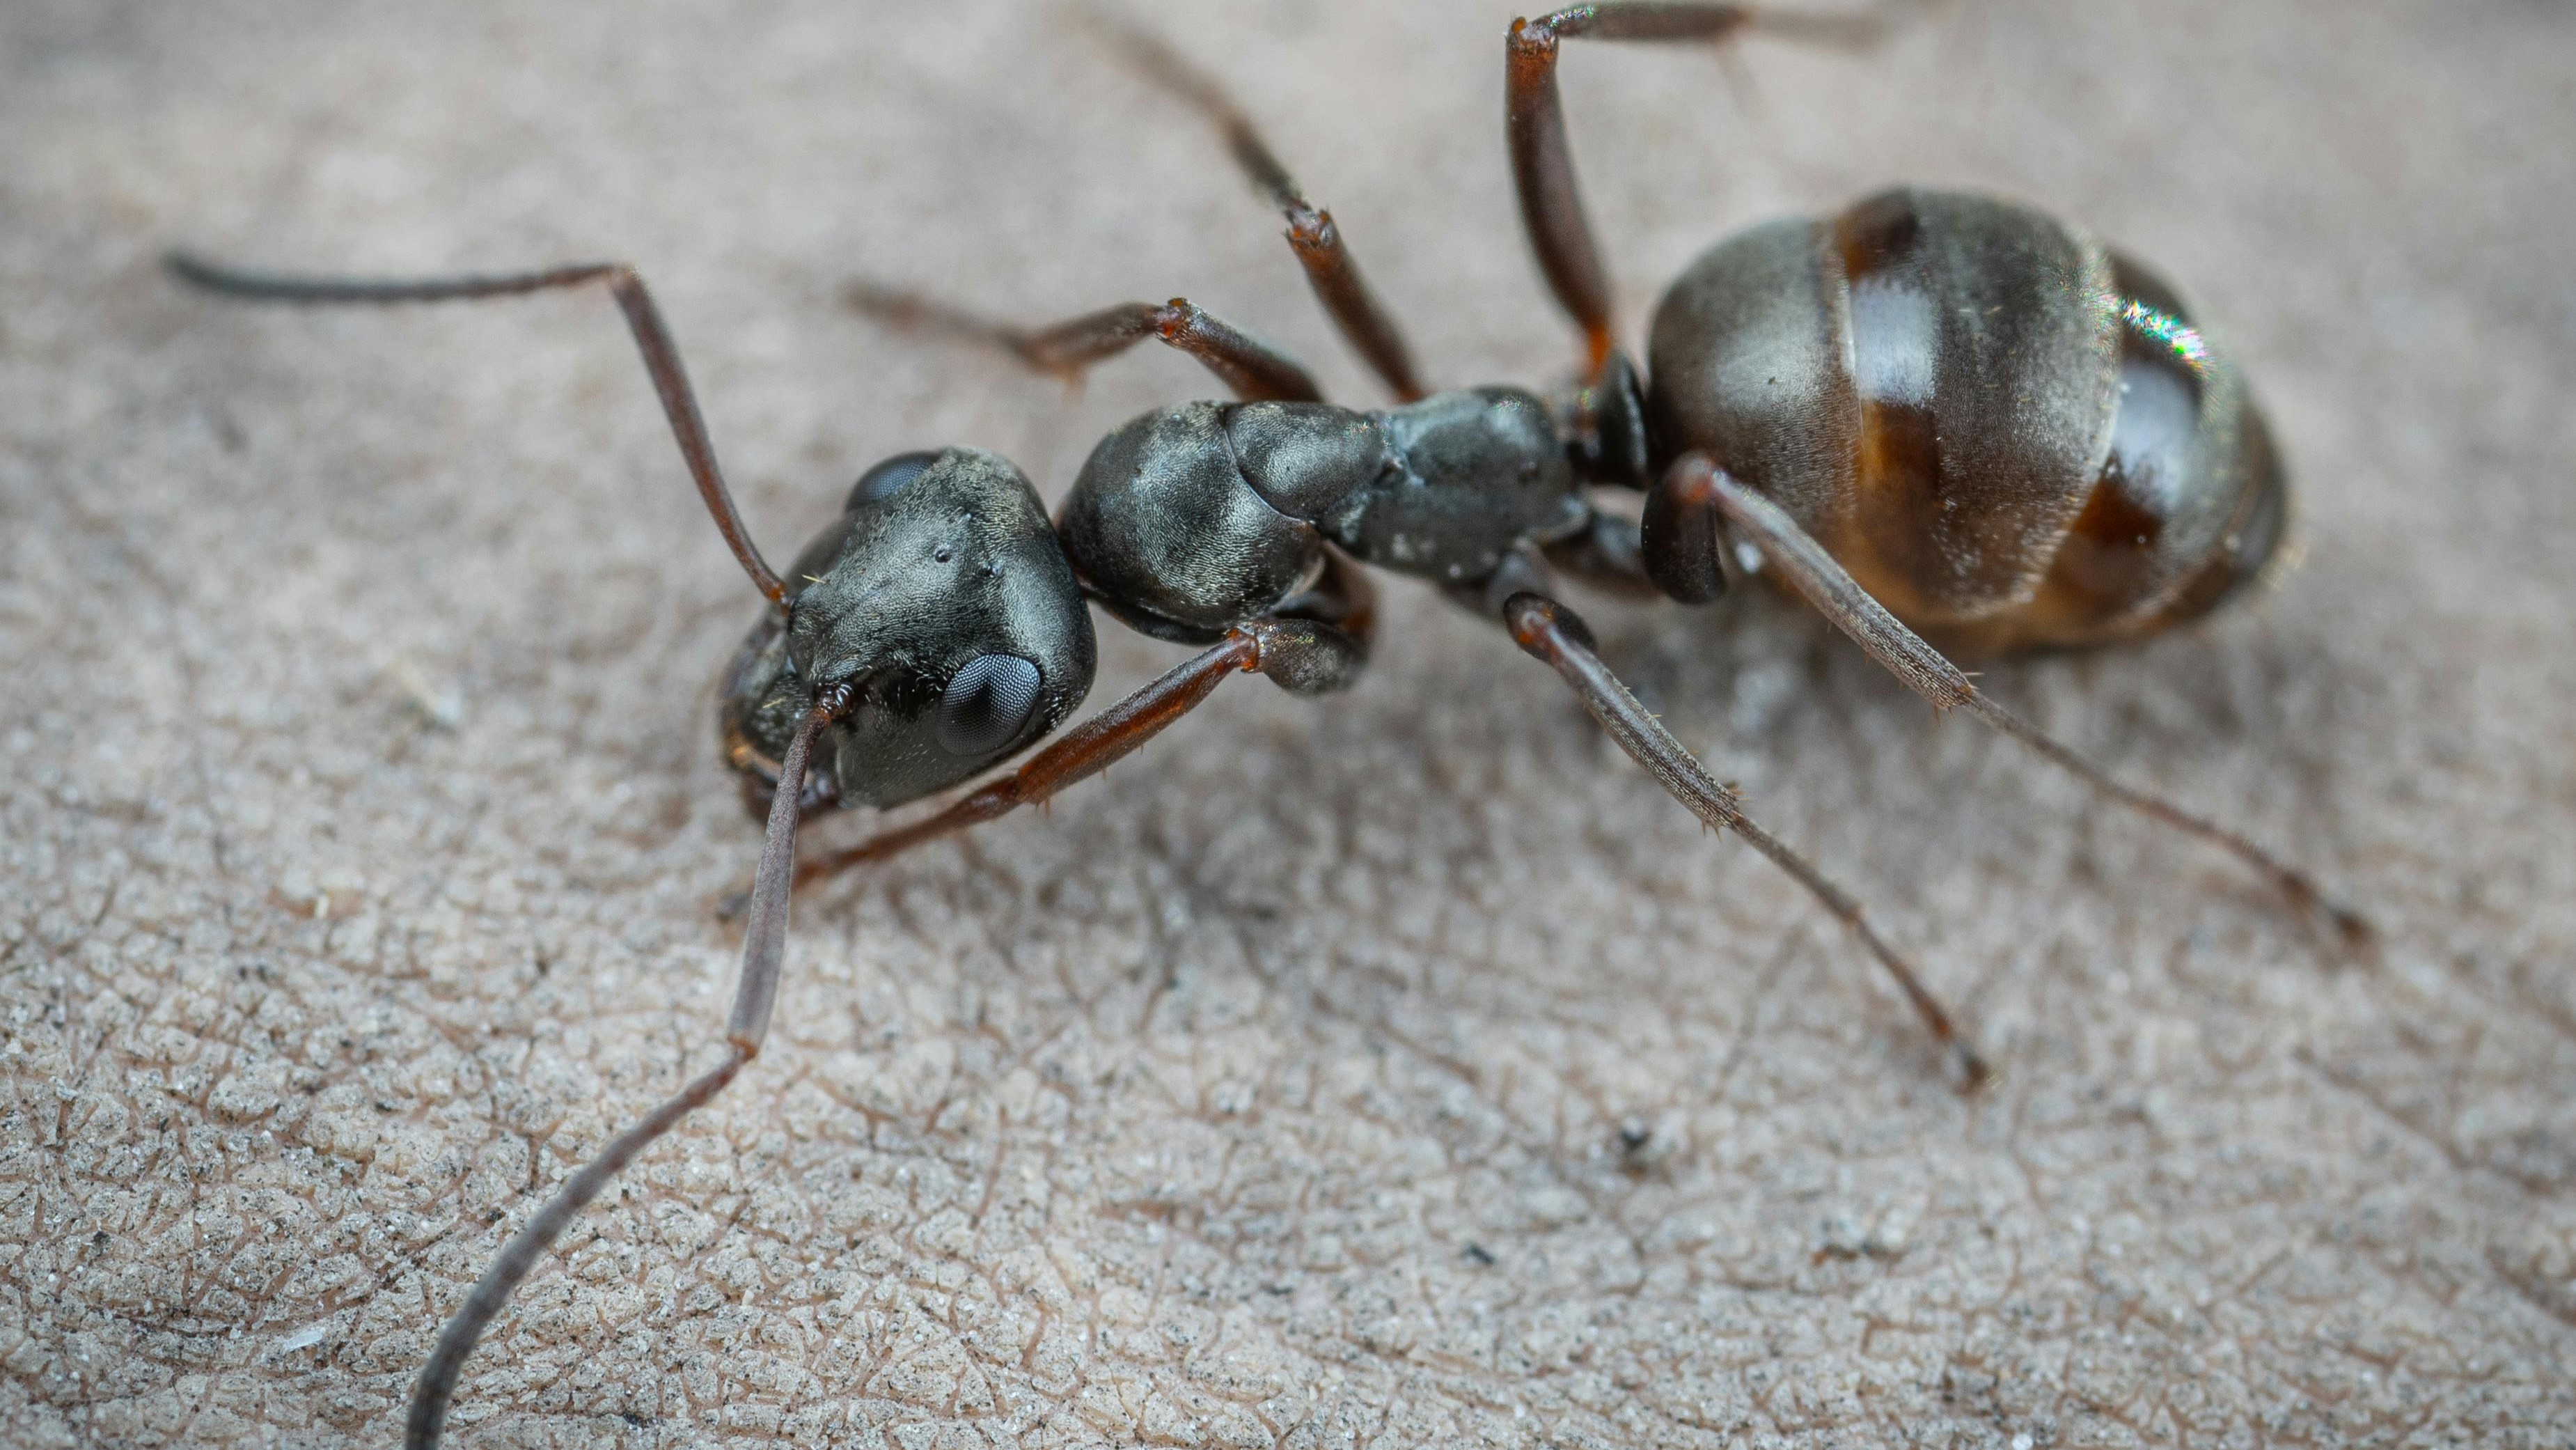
986, 704
889, 478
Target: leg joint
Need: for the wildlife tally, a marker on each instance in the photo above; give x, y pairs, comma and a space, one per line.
1305, 656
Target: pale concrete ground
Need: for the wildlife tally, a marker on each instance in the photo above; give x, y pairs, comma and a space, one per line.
1272, 1089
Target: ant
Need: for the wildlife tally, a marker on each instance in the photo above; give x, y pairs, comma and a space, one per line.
1935, 416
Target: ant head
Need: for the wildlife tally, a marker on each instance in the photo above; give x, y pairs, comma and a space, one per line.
941, 601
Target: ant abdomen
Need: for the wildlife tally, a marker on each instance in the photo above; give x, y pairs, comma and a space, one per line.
2008, 434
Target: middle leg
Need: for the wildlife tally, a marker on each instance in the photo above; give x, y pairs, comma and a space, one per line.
1555, 635
1256, 369
1330, 268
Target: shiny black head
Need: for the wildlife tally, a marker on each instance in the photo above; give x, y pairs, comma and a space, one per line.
941, 600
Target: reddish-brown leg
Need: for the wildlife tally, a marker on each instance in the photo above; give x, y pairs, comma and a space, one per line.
1257, 370
1305, 655
1330, 268
1534, 126
1553, 633
1085, 751
1815, 574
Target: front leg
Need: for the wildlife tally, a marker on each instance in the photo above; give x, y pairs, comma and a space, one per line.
1303, 655
1310, 643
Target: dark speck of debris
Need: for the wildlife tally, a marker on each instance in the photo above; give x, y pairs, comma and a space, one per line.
631, 1417
1478, 1253
1641, 1149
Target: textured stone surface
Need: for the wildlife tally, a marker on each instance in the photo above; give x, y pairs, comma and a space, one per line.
1402, 1069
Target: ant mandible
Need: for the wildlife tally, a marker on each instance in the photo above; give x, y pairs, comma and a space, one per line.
1933, 415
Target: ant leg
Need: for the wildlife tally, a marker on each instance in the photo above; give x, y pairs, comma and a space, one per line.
652, 338
1534, 125
1330, 268
1257, 370
1305, 656
1553, 633
1699, 486
755, 993
1085, 750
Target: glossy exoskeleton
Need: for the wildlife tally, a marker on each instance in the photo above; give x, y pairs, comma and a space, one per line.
2006, 433
1940, 418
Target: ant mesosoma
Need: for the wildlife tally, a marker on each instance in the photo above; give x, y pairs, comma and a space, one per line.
1932, 414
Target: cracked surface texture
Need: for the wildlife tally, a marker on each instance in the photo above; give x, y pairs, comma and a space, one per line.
1401, 1069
